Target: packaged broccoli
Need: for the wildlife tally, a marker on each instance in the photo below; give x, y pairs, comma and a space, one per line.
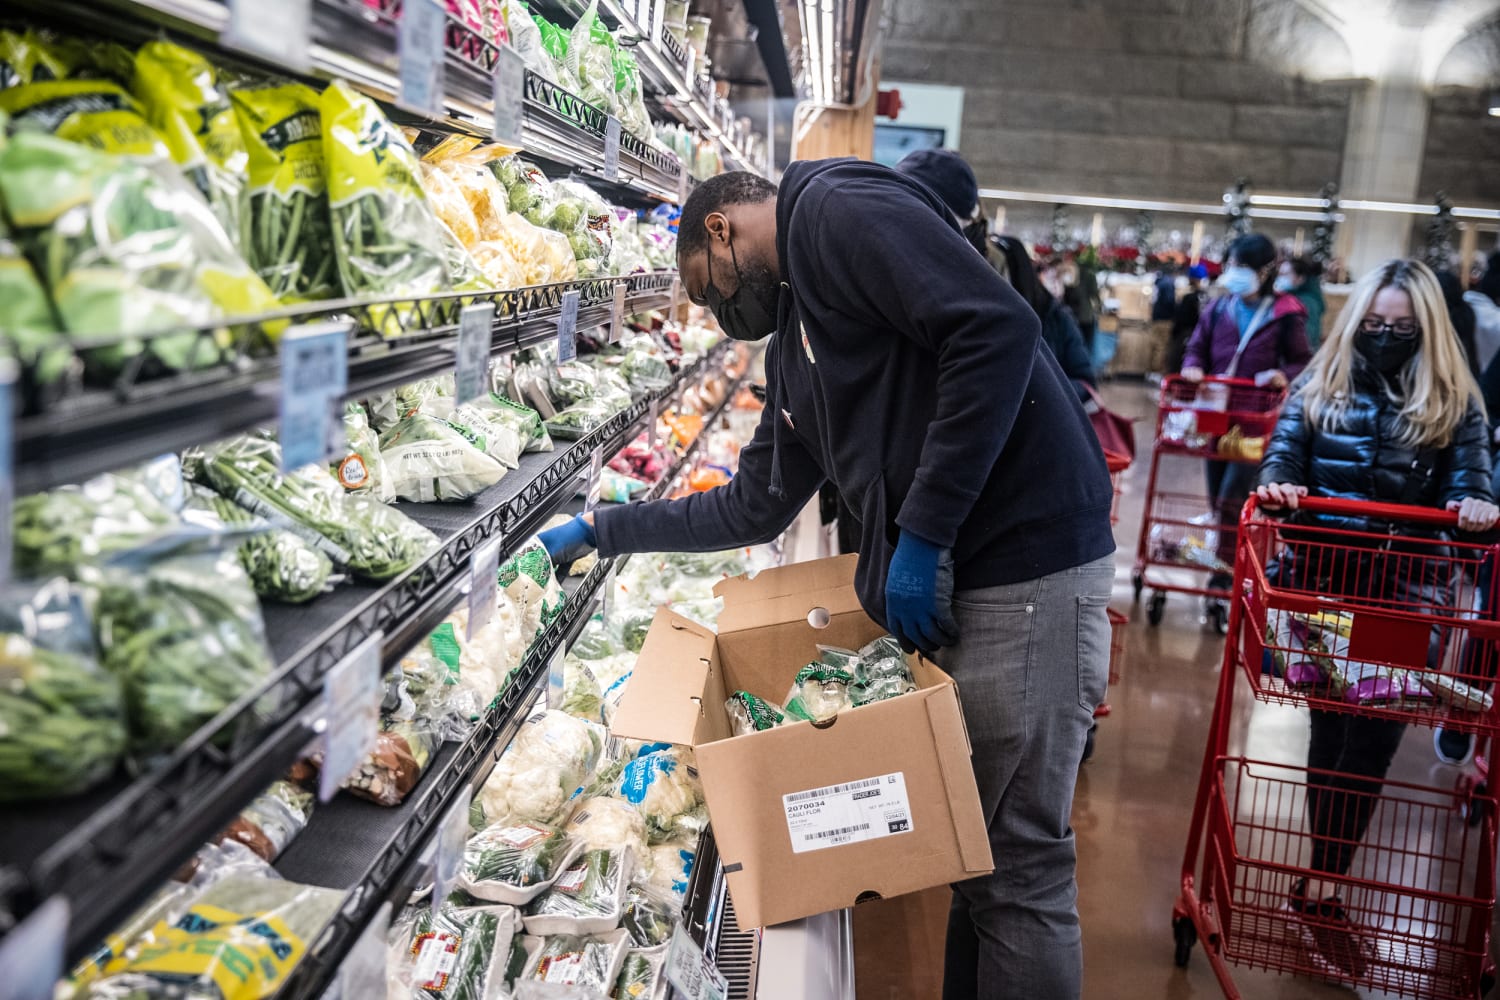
587, 898
592, 962
749, 714
459, 953
515, 863
819, 692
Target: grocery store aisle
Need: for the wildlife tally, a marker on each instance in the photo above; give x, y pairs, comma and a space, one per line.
1134, 798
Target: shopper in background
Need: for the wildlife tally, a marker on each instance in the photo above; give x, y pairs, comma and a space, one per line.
904, 369
1461, 315
1303, 277
1484, 299
1163, 311
1185, 317
1386, 411
1059, 329
1081, 296
1253, 332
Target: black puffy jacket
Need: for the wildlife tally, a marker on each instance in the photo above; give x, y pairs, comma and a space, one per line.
1360, 459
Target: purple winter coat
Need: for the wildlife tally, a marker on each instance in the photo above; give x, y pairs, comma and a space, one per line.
1280, 342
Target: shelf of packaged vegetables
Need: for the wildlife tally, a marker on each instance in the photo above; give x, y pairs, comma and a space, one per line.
377, 853
106, 850
355, 40
83, 431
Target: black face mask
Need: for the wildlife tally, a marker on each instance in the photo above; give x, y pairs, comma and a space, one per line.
1384, 351
750, 313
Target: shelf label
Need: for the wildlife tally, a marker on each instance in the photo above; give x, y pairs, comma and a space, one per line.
652, 419
612, 148
474, 326
607, 595
7, 463
687, 70
274, 30
684, 181
617, 313
352, 694
31, 955
510, 96
596, 479
676, 298
484, 582
421, 44
452, 835
658, 17
362, 972
567, 327
555, 679
314, 378
690, 971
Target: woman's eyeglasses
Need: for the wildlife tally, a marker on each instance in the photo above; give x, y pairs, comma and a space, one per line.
1403, 329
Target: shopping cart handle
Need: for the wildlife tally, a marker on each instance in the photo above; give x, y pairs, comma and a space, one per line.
1339, 507
1248, 383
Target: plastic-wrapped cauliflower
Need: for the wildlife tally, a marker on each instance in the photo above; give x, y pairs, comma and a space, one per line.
517, 795
606, 824
528, 580
662, 784
582, 696
668, 866
551, 758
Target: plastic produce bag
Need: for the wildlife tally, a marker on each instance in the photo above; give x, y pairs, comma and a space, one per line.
591, 962
588, 897
881, 672
429, 458
642, 976
459, 953
672, 866
495, 433
375, 541
526, 39
95, 113
662, 783
29, 328
62, 715
363, 469
25, 57
552, 757
585, 218
531, 585
515, 863
526, 420
819, 692
591, 60
390, 770
62, 529
603, 823
578, 420
267, 825
289, 240
749, 714
545, 256
282, 566
125, 251
651, 913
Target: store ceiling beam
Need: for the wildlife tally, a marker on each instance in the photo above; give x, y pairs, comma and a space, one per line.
764, 16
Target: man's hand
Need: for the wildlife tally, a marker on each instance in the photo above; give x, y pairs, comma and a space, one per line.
569, 542
1275, 378
919, 595
1193, 374
1280, 494
1475, 514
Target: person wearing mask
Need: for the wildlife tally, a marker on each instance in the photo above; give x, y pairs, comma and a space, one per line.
1185, 317
1303, 277
1386, 411
903, 368
1163, 311
1253, 332
1041, 290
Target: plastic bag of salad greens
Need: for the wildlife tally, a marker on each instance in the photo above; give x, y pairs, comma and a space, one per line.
576, 421
643, 975
27, 325
185, 102
125, 251
388, 239
177, 621
362, 469
376, 542
429, 459
523, 419
515, 863
457, 953
591, 60
588, 897
282, 566
289, 238
95, 113
500, 434
62, 715
526, 39
60, 530
592, 962
26, 58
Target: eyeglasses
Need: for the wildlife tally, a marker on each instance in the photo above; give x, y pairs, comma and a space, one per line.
1404, 329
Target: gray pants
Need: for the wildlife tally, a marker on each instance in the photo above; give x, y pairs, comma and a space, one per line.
1031, 664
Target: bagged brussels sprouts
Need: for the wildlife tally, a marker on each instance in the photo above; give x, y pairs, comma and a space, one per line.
515, 864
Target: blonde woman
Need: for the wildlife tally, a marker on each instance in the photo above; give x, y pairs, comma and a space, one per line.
1387, 410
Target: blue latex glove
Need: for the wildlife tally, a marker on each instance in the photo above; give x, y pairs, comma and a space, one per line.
919, 595
569, 542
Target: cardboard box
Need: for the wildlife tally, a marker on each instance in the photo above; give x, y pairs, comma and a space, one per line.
879, 802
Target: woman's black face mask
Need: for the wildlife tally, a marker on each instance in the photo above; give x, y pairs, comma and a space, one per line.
750, 313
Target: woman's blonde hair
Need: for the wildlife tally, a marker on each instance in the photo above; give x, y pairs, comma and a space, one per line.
1436, 386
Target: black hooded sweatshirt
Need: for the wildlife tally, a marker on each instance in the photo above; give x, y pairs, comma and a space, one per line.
909, 373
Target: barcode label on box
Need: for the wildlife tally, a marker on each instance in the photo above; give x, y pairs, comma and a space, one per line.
856, 811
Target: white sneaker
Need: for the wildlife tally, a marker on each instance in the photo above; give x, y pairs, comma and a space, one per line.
1453, 748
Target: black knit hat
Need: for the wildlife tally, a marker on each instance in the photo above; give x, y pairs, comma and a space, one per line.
947, 175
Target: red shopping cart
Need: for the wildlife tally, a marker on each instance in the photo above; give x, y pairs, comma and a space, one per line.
1117, 463
1182, 534
1367, 623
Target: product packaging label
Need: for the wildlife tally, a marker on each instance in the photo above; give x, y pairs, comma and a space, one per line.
847, 814
437, 957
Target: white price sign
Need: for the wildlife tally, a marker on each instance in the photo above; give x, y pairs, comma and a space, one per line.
567, 328
421, 41
274, 30
31, 955
652, 420
351, 713
684, 181
612, 148
362, 972
484, 583
453, 834
690, 971
314, 377
596, 477
617, 314
510, 96
555, 679
676, 298
472, 374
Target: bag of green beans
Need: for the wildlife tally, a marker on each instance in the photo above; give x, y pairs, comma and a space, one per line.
62, 715
288, 240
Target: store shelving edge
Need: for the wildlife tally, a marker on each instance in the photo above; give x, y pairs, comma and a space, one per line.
107, 850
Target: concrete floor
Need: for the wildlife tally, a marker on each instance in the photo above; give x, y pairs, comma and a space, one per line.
1134, 798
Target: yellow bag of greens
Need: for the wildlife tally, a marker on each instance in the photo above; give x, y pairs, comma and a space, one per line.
27, 58
183, 100
94, 113
289, 240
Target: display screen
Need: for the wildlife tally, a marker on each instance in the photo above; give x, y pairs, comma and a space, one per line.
892, 142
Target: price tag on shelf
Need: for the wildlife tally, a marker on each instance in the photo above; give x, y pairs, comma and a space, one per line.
690, 971
555, 679
314, 377
684, 182
611, 148
688, 73
452, 835
7, 463
567, 327
658, 16
596, 479
274, 30
362, 972
421, 43
352, 693
607, 595
676, 298
484, 583
475, 324
617, 313
31, 954
510, 96
652, 419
